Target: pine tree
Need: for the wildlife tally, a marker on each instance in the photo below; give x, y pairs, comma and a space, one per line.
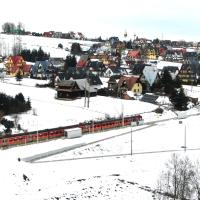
19, 77
40, 54
179, 100
20, 97
76, 48
167, 82
28, 104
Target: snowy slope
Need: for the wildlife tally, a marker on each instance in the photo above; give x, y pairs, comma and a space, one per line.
111, 172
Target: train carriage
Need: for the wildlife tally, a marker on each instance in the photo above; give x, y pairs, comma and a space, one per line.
87, 127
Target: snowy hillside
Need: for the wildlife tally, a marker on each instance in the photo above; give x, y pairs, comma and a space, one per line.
102, 170
49, 45
48, 112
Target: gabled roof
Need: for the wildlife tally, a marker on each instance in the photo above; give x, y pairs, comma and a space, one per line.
75, 74
83, 84
83, 61
171, 69
162, 64
117, 70
96, 65
134, 53
70, 83
150, 98
57, 62
15, 59
138, 69
46, 66
130, 81
150, 73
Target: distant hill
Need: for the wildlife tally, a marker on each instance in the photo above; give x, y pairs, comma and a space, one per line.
49, 45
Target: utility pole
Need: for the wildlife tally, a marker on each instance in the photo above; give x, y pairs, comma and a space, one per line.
131, 143
88, 101
37, 132
122, 114
85, 95
185, 139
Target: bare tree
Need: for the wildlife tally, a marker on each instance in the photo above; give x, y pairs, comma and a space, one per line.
8, 27
17, 45
177, 180
16, 120
196, 180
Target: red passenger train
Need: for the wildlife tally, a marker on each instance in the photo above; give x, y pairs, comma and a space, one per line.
49, 134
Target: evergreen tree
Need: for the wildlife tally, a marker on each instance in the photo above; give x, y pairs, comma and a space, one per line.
40, 54
179, 100
34, 55
177, 82
26, 54
20, 97
4, 103
19, 77
70, 61
10, 105
60, 46
167, 82
28, 104
8, 125
76, 48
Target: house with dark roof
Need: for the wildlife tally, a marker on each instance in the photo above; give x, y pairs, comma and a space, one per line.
57, 62
42, 69
187, 75
137, 69
130, 83
149, 98
113, 71
72, 89
113, 82
96, 67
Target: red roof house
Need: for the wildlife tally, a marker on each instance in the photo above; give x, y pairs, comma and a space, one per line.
17, 64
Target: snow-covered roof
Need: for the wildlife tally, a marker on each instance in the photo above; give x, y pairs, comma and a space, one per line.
161, 64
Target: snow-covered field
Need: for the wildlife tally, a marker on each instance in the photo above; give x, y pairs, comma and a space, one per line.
49, 45
51, 112
102, 170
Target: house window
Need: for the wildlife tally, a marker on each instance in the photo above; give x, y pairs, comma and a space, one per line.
134, 90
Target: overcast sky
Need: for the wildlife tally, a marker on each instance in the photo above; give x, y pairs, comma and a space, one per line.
171, 19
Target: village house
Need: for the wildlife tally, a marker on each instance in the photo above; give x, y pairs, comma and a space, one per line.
130, 83
42, 70
114, 70
187, 76
16, 64
133, 56
76, 88
148, 77
151, 54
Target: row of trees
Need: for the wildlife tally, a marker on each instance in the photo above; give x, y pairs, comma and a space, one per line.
11, 28
34, 55
180, 179
10, 105
70, 61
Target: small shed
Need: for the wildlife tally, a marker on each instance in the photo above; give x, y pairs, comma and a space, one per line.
73, 132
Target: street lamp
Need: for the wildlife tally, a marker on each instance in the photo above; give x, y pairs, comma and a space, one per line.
185, 137
131, 143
